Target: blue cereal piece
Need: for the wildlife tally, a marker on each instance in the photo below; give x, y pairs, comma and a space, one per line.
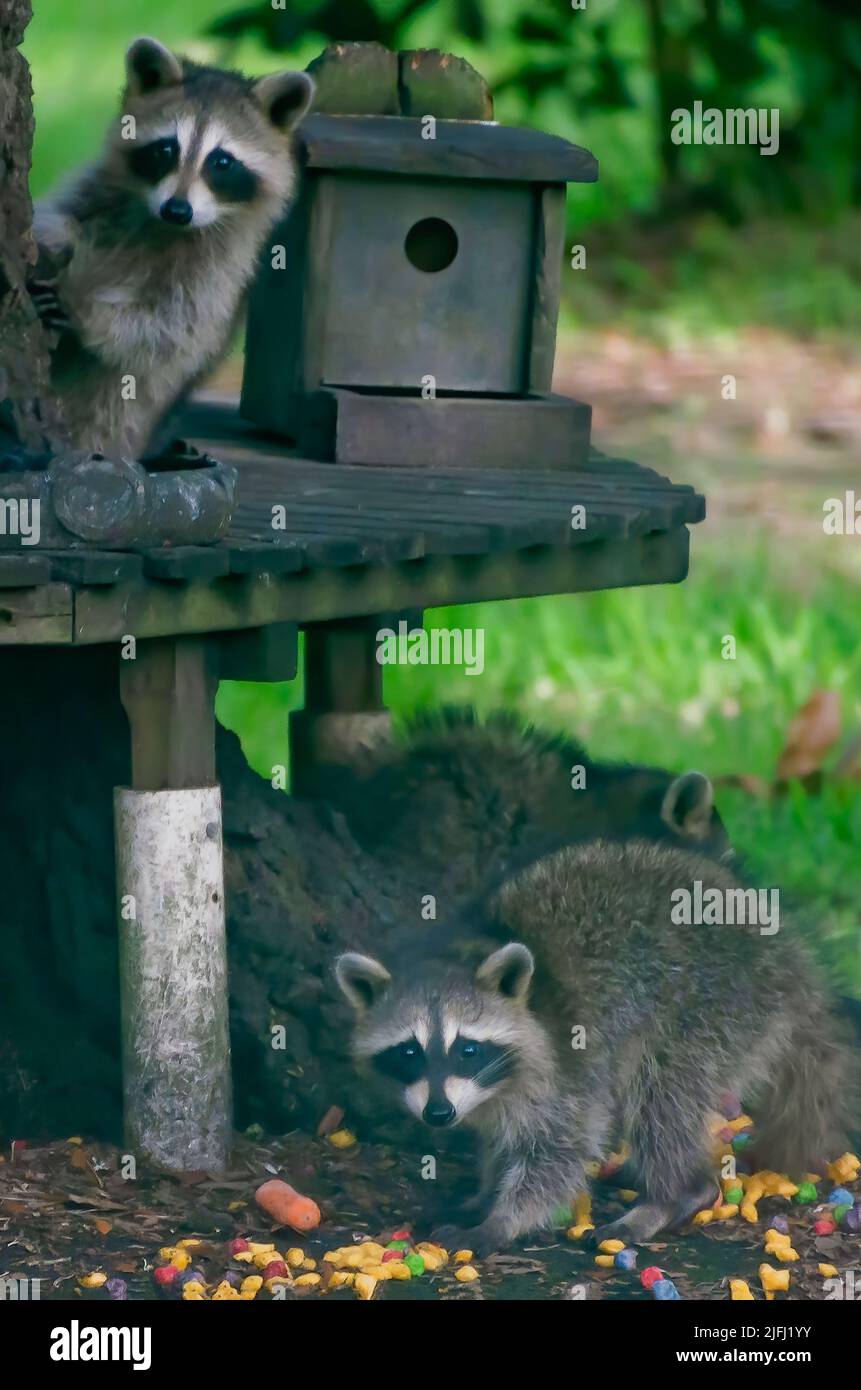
841, 1197
664, 1290
626, 1259
780, 1223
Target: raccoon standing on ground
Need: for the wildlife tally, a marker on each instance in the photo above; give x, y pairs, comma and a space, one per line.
672, 1015
157, 241
464, 798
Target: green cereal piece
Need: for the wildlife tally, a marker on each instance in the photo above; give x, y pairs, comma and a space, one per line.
806, 1193
415, 1264
734, 1196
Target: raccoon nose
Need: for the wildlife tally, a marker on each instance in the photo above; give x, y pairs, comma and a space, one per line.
178, 210
439, 1112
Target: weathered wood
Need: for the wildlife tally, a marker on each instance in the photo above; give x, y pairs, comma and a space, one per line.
184, 562
549, 243
105, 614
343, 704
23, 570
173, 977
34, 615
451, 431
93, 566
461, 150
441, 84
168, 692
259, 654
356, 79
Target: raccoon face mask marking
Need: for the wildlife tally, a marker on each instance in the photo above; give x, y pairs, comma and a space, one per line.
448, 1047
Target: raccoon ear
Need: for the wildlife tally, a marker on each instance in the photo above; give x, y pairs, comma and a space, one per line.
149, 65
361, 978
285, 97
688, 806
508, 971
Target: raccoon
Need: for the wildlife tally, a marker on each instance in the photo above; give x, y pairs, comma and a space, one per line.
154, 245
466, 799
476, 1026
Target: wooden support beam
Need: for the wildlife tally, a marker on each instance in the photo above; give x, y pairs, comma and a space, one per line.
344, 710
170, 891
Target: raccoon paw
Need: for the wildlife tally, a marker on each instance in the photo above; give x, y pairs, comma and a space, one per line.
481, 1240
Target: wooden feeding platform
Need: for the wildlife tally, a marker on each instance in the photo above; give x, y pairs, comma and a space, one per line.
399, 448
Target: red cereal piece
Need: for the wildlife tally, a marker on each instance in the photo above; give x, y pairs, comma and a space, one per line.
405, 1234
651, 1276
165, 1275
276, 1269
824, 1227
392, 1255
235, 1247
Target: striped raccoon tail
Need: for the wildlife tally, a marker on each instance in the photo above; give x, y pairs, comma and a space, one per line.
814, 1098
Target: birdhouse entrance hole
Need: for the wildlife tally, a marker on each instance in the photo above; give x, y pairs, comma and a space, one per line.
431, 244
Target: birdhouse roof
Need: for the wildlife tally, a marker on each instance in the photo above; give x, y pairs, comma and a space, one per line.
460, 150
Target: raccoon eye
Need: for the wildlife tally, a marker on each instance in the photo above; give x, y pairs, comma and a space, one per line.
470, 1049
221, 159
409, 1050
153, 161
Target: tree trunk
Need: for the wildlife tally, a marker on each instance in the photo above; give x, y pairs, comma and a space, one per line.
24, 348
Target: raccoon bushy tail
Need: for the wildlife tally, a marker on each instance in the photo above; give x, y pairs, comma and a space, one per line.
810, 1111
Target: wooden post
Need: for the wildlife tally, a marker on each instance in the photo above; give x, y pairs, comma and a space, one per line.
170, 885
344, 710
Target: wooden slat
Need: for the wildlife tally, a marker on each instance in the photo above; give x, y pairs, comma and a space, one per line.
24, 570
181, 563
94, 566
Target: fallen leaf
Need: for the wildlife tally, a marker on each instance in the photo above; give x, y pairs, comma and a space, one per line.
814, 730
103, 1227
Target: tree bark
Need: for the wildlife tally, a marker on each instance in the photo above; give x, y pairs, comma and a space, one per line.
24, 346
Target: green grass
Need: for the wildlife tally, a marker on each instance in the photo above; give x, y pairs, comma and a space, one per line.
638, 674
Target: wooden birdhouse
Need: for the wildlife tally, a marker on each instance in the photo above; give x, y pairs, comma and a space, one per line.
406, 311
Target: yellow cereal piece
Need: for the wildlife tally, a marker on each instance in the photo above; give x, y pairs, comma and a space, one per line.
397, 1269
463, 1257
307, 1281
704, 1218
257, 1249
778, 1237
605, 1261
784, 1253
331, 1257
739, 1291
308, 1263
244, 1257
295, 1256
812, 1177
628, 1194
265, 1258
342, 1138
466, 1274
75, 1139
189, 1243
726, 1212
193, 1289
785, 1188
575, 1232
371, 1251
753, 1190
431, 1248
741, 1122
354, 1259
224, 1292
749, 1212
277, 1282
252, 1285
93, 1281
827, 1271
582, 1208
365, 1286
845, 1168
341, 1279
235, 1206
189, 1297
611, 1247
379, 1271
773, 1280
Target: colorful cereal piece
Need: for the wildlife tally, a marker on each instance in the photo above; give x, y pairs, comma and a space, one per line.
827, 1271
575, 1232
117, 1289
626, 1259
739, 1291
611, 1247
664, 1290
650, 1276
780, 1224
840, 1197
415, 1264
96, 1280
845, 1168
365, 1286
164, 1275
343, 1139
307, 1281
824, 1226
466, 1273
841, 1212
236, 1246
463, 1257
806, 1193
251, 1285
773, 1280
734, 1195
605, 1261
399, 1269
729, 1105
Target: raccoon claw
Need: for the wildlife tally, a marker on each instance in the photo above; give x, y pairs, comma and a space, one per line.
481, 1240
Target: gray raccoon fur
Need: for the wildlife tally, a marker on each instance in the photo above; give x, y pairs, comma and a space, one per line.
463, 799
673, 1016
135, 295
